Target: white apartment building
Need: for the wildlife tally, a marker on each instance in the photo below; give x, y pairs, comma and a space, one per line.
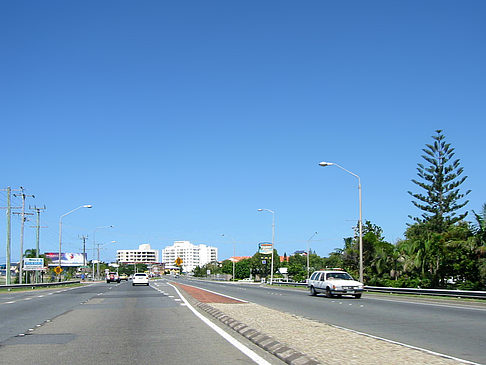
144, 255
190, 254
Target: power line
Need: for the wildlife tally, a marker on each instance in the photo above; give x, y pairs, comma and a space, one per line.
9, 215
38, 227
23, 216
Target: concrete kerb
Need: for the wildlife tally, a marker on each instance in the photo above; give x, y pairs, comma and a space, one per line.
269, 344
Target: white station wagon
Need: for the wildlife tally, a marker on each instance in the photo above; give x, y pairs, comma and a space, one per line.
140, 278
334, 282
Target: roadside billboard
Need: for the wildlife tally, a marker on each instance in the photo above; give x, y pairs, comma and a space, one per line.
33, 263
265, 248
67, 259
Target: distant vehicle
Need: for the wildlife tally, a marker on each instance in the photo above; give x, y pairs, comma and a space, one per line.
111, 277
124, 277
334, 282
140, 278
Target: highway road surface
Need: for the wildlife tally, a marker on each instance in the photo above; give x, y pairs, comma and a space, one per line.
450, 327
114, 324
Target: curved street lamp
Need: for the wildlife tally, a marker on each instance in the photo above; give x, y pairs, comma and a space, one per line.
324, 164
98, 265
273, 240
60, 230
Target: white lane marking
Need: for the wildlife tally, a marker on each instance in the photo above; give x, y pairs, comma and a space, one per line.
409, 346
214, 292
430, 304
40, 296
12, 302
251, 354
27, 298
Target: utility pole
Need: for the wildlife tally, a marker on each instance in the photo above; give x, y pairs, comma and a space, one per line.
37, 236
9, 241
83, 237
23, 219
9, 211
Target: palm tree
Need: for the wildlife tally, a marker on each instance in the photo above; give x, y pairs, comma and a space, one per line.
479, 230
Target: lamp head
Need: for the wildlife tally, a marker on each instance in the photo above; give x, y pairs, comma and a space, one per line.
87, 206
260, 210
324, 164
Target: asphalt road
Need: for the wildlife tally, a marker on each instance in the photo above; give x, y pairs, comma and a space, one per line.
446, 327
112, 324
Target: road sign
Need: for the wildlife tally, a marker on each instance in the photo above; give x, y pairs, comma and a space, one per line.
33, 263
58, 270
178, 261
265, 248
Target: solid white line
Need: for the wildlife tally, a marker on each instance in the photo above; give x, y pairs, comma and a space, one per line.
409, 346
251, 354
430, 304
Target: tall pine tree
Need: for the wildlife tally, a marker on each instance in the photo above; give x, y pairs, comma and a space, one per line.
440, 180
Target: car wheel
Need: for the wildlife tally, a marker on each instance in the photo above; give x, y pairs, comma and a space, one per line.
328, 293
312, 291
133, 284
357, 296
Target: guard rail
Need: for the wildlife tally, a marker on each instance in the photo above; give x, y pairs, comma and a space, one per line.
38, 284
431, 292
414, 291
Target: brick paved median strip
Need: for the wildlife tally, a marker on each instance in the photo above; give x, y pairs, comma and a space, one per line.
266, 342
206, 297
276, 331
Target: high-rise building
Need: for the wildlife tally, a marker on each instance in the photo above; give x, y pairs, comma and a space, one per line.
144, 255
191, 255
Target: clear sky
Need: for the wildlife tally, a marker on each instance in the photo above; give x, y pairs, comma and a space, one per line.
178, 120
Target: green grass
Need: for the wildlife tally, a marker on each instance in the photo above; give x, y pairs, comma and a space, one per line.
16, 290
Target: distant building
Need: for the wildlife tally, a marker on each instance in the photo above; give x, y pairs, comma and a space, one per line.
144, 255
238, 258
301, 253
191, 255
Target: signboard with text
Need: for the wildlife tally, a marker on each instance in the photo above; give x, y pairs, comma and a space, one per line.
33, 263
265, 248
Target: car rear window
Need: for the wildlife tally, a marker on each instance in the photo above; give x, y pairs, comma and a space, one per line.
140, 274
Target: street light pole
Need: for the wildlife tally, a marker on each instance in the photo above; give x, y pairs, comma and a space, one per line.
60, 231
94, 249
308, 253
360, 222
273, 240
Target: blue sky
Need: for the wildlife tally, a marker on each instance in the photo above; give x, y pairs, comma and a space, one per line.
178, 120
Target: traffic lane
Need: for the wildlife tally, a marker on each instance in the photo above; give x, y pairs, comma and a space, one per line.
124, 325
26, 310
8, 296
449, 329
